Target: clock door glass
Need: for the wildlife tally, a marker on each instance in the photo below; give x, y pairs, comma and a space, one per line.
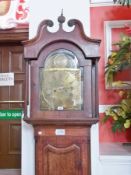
61, 82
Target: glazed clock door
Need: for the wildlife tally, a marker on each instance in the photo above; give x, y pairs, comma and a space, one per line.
61, 82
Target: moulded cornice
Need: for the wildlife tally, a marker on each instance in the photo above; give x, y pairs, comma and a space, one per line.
44, 37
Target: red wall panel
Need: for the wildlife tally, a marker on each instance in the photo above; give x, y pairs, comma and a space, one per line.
98, 15
106, 134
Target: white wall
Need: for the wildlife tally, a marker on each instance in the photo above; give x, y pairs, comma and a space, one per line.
95, 164
40, 10
115, 165
109, 158
49, 9
28, 150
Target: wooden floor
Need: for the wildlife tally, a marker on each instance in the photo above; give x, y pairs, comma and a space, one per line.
10, 172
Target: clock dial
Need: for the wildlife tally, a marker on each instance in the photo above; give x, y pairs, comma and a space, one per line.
60, 82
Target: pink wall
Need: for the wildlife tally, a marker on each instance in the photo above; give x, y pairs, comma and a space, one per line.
107, 97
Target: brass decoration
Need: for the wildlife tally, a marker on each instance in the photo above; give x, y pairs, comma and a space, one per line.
60, 84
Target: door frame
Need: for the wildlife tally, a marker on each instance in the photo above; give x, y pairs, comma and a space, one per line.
15, 35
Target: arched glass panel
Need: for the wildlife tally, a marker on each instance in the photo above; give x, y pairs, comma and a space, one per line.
61, 84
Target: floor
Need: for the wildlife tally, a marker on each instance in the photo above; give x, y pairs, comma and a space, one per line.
10, 172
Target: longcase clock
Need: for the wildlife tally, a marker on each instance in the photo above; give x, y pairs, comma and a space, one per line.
62, 95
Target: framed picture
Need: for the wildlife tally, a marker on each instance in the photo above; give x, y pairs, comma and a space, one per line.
13, 13
121, 78
101, 1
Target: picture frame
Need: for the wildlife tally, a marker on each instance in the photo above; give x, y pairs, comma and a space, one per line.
109, 26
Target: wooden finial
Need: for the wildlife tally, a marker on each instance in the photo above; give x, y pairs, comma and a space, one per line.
61, 18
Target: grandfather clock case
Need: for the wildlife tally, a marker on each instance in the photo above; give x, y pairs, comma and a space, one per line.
61, 96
